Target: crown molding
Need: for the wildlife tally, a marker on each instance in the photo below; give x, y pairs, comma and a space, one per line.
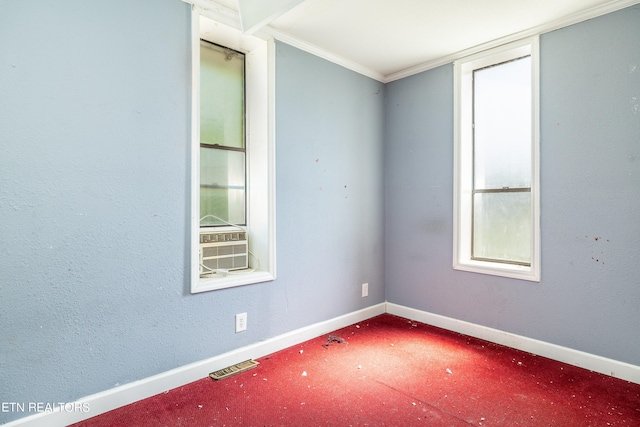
566, 21
231, 18
325, 54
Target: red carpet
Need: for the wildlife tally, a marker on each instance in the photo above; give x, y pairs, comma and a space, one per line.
393, 372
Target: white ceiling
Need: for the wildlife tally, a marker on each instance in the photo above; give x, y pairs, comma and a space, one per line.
388, 39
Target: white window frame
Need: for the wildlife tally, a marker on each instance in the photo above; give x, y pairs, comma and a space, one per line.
209, 24
463, 158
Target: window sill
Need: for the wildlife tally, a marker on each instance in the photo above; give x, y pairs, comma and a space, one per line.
231, 280
499, 269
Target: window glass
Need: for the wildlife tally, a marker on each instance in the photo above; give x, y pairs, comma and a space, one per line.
502, 227
502, 125
222, 136
221, 96
222, 187
502, 162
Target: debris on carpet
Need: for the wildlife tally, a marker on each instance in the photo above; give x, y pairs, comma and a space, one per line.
334, 339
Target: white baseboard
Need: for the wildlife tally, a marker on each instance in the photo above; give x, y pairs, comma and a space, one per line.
108, 400
578, 358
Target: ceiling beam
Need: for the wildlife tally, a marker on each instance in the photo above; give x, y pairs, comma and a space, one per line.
255, 14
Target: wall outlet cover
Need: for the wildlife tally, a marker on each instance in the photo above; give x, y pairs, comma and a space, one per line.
241, 322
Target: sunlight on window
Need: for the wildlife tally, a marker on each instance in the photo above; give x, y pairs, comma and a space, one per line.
502, 162
502, 125
222, 135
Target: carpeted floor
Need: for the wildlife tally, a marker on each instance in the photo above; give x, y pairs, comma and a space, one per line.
391, 371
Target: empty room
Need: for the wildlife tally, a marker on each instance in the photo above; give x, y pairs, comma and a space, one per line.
408, 212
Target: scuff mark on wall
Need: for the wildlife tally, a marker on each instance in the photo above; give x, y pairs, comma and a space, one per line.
597, 254
635, 104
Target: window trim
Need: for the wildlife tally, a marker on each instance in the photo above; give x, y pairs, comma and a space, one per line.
260, 148
462, 224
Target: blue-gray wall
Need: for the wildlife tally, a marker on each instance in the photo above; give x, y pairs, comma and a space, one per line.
330, 188
94, 206
94, 200
589, 295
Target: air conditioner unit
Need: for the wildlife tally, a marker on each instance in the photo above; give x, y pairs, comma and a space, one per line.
223, 248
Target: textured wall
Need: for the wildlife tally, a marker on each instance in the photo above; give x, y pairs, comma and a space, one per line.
590, 182
330, 194
94, 208
94, 205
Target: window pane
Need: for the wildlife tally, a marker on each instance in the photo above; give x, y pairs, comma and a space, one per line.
221, 96
502, 125
502, 226
222, 186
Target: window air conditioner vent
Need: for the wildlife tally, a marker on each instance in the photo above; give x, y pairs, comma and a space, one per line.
225, 248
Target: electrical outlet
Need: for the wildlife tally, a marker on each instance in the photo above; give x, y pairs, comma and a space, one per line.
241, 322
365, 290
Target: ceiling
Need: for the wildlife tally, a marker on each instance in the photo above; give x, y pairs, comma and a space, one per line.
389, 39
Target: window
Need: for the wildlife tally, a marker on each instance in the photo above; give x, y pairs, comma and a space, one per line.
222, 136
496, 224
232, 154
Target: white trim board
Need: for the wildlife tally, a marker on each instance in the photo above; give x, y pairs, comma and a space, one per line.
592, 362
566, 21
232, 18
108, 400
325, 54
114, 398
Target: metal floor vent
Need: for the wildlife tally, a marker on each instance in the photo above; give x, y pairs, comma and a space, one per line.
234, 369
